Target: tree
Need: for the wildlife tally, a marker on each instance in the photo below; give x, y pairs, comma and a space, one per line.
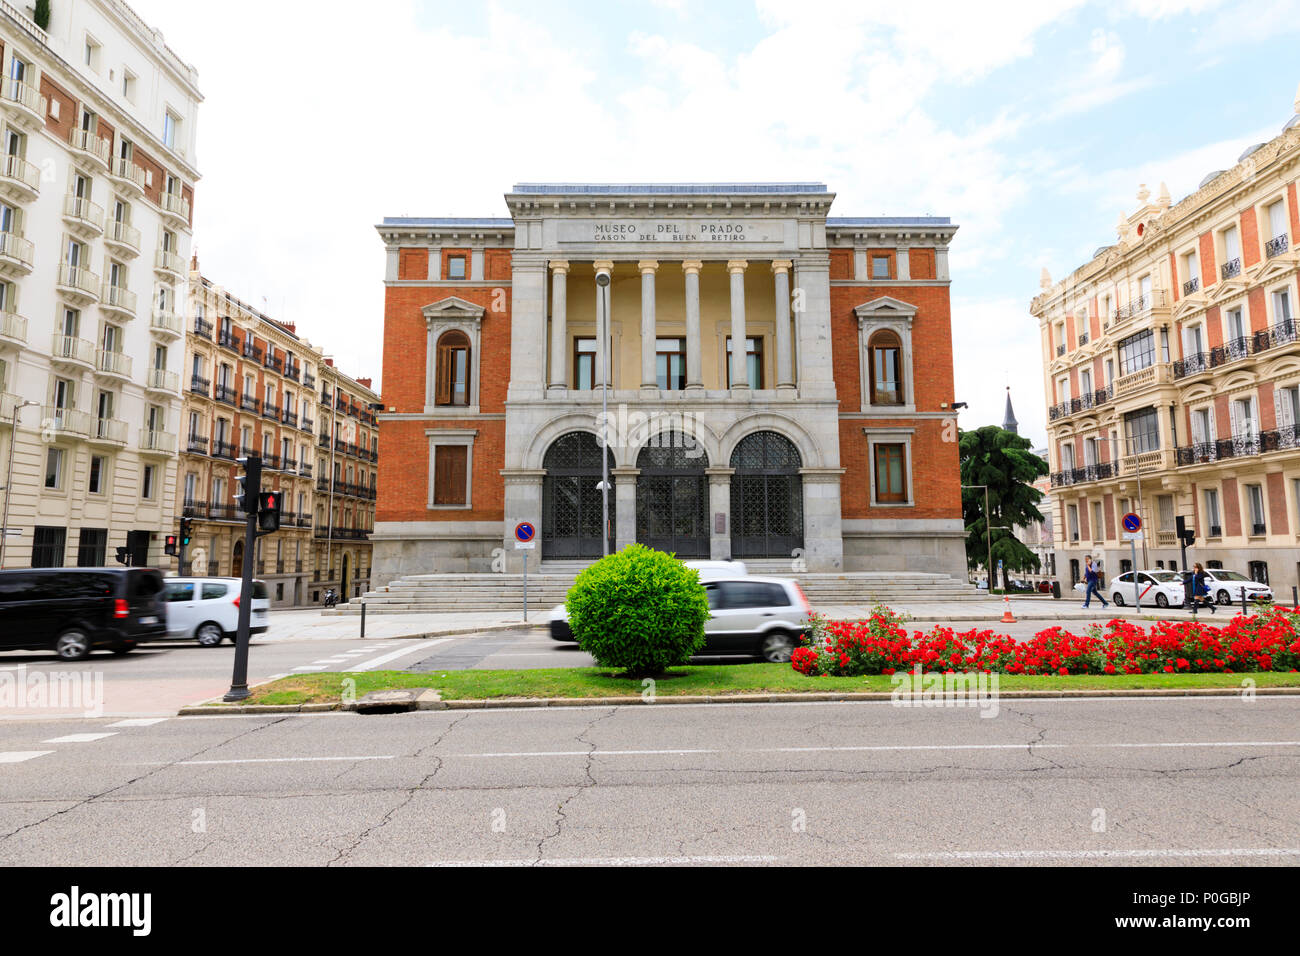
42, 14
1002, 460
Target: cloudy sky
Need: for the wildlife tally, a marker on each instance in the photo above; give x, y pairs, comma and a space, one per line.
1029, 122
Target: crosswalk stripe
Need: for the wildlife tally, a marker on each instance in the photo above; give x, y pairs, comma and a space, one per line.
18, 756
78, 738
139, 722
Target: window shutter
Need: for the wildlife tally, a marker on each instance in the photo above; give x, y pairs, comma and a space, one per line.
1198, 429
442, 383
1235, 411
449, 474
1282, 407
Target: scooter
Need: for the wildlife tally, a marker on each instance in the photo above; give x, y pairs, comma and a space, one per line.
331, 598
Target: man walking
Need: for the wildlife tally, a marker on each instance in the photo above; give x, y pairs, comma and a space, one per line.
1093, 581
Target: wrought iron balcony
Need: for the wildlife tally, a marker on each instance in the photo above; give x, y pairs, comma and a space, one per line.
228, 340
1192, 285
1230, 269
223, 449
1276, 246
197, 444
226, 394
248, 403
202, 328
1083, 339
200, 385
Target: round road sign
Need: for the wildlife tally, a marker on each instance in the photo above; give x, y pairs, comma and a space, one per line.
524, 531
1132, 523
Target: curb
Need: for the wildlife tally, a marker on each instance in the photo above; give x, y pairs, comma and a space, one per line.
845, 697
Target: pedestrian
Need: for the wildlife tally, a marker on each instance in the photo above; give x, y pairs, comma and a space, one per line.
1093, 581
1201, 588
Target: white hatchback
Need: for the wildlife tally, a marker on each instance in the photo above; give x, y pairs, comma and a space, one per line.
1159, 587
207, 609
1226, 587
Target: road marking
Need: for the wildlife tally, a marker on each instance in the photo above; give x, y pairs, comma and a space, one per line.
1095, 854
18, 756
614, 861
394, 655
880, 748
78, 738
194, 763
139, 722
307, 667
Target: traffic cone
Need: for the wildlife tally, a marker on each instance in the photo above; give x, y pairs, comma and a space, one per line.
1007, 616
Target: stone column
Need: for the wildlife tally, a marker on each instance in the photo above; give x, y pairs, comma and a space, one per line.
649, 380
528, 330
604, 300
739, 371
523, 502
694, 365
624, 506
816, 381
784, 357
719, 504
559, 324
823, 539
941, 263
903, 263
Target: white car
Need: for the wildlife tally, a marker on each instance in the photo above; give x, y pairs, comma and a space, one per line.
1161, 588
207, 609
1226, 587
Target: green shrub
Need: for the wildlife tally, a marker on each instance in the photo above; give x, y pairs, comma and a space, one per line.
41, 15
639, 610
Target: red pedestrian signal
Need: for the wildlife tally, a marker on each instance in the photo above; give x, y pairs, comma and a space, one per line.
268, 511
170, 546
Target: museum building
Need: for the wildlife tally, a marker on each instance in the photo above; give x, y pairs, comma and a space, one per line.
827, 441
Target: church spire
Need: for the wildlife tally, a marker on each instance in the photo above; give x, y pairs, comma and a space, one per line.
1009, 418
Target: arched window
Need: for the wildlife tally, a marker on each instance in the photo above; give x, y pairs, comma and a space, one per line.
885, 357
451, 385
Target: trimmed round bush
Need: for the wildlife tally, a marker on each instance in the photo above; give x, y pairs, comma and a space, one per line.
639, 610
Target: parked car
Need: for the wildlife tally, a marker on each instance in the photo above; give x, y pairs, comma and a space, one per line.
747, 615
1044, 587
1226, 587
207, 609
1162, 588
72, 611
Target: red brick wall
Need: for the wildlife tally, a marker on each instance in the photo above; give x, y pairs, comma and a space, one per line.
1258, 310
1249, 238
413, 263
1295, 215
841, 263
404, 479
67, 120
1277, 519
1231, 508
1209, 271
497, 264
920, 263
1267, 411
1108, 506
1213, 328
1222, 418
1177, 289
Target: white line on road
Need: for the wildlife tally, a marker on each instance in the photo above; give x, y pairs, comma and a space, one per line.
614, 861
400, 652
139, 722
78, 738
193, 763
1095, 854
18, 756
894, 747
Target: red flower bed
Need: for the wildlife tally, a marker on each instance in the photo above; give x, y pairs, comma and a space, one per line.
881, 644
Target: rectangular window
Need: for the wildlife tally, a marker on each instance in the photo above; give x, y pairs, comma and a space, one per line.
1214, 526
48, 545
880, 267
1142, 431
1072, 517
1255, 494
1236, 326
670, 363
171, 124
54, 468
1097, 533
891, 473
98, 466
91, 546
455, 267
450, 468
1282, 307
1137, 352
146, 483
584, 364
754, 362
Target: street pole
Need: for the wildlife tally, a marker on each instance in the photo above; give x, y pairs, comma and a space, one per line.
602, 328
1137, 464
9, 477
252, 487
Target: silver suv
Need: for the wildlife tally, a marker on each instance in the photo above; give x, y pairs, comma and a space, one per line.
747, 616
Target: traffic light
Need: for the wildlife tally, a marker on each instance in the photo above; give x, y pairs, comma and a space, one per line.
268, 511
123, 556
1185, 534
250, 484
186, 524
170, 546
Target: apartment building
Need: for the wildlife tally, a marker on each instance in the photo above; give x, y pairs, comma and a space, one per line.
97, 173
1172, 365
254, 387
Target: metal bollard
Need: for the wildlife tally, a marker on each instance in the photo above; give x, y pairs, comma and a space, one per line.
1295, 597
363, 618
1243, 602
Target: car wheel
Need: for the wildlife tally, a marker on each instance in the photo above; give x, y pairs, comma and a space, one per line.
776, 647
124, 647
1223, 598
1162, 601
1118, 599
209, 635
72, 645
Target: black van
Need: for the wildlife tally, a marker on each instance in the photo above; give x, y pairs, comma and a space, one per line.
74, 610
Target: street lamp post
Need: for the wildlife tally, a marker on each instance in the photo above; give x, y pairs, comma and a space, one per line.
9, 476
602, 329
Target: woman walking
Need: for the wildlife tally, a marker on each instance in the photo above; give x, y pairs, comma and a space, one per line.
1201, 588
1093, 580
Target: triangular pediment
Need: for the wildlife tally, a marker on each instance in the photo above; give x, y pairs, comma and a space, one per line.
453, 307
884, 308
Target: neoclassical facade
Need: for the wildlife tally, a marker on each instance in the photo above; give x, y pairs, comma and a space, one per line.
827, 439
1172, 365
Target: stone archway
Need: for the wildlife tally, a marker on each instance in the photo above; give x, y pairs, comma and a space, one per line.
766, 497
672, 496
572, 503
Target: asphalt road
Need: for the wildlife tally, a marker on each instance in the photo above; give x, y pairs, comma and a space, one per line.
1082, 782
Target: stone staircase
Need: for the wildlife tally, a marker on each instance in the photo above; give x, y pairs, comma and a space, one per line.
445, 593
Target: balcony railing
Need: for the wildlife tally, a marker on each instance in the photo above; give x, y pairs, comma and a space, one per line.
309, 380
17, 252
113, 363
304, 469
200, 385
290, 418
13, 327
1240, 446
28, 98
1192, 286
161, 443
271, 411
307, 425
252, 351
1061, 410
118, 299
165, 261
1230, 269
168, 323
293, 372
1276, 246
1155, 299
1083, 339
226, 394
1071, 476
66, 421
126, 171
162, 380
78, 281
248, 403
68, 348
223, 449
197, 444
82, 212
1158, 374
88, 142
1192, 364
123, 235
202, 328
1283, 333
228, 340
273, 362
21, 175
225, 512
175, 205
111, 430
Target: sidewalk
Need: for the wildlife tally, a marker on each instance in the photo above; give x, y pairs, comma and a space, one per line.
310, 625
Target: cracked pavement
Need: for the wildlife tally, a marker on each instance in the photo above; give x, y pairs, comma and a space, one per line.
777, 784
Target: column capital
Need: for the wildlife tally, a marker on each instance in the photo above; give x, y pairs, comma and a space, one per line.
692, 266
648, 265
560, 266
604, 264
736, 265
782, 265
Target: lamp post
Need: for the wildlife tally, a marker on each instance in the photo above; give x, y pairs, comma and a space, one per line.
9, 476
602, 329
